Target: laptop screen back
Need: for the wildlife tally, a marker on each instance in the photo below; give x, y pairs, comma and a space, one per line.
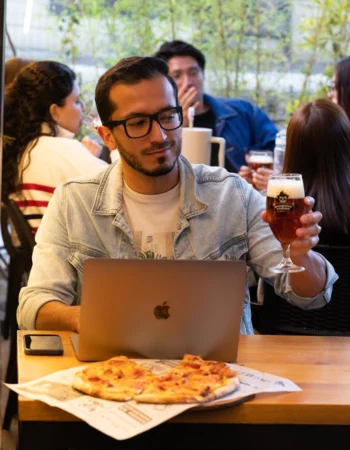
161, 308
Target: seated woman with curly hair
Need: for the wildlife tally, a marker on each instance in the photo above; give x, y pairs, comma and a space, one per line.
42, 114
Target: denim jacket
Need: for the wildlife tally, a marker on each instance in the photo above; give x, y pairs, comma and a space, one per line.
244, 127
219, 218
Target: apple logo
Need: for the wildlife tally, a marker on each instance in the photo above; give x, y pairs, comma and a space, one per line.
161, 311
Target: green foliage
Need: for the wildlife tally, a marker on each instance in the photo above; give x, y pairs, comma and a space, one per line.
69, 26
245, 41
325, 35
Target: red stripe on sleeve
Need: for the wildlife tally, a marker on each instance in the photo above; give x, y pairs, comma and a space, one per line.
25, 203
37, 187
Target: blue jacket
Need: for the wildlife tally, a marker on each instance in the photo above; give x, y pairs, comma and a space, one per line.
244, 127
219, 218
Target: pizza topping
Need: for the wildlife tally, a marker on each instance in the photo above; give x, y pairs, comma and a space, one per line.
193, 380
206, 391
138, 372
94, 379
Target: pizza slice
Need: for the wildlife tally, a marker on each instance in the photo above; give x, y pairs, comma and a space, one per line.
118, 379
192, 381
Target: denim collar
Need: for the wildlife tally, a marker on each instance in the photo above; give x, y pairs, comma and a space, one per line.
109, 196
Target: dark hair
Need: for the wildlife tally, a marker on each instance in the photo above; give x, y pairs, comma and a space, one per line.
27, 104
13, 66
342, 83
128, 71
318, 147
180, 48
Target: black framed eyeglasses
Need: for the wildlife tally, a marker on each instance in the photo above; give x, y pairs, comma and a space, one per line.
331, 87
139, 126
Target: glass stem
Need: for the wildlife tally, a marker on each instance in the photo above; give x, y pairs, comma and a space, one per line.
286, 253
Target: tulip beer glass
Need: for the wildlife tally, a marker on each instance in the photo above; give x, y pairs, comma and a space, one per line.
284, 207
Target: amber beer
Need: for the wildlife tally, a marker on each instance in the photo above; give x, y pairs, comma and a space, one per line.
284, 206
256, 161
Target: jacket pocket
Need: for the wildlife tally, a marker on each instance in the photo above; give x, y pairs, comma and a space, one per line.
77, 257
233, 249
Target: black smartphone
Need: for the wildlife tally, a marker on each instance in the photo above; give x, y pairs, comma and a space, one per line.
43, 344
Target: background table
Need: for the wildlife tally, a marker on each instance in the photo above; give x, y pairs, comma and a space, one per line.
319, 365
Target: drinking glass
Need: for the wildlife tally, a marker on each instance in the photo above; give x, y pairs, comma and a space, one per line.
260, 158
91, 119
284, 207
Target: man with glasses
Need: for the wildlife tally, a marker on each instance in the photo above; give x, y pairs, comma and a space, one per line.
243, 125
153, 204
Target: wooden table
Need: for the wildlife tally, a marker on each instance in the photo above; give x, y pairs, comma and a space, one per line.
317, 417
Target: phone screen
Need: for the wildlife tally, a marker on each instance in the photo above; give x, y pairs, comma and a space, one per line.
43, 344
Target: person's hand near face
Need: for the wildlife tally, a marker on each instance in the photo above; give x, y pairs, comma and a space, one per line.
187, 98
189, 78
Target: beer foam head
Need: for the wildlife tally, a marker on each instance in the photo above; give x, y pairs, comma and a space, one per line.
293, 188
261, 159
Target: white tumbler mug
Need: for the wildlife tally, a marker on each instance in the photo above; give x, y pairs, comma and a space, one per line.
196, 145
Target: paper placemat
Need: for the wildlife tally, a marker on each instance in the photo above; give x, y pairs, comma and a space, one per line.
123, 420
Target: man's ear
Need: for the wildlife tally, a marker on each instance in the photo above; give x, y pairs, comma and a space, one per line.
106, 135
54, 111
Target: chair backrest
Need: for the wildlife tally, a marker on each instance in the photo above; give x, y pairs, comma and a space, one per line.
10, 213
280, 317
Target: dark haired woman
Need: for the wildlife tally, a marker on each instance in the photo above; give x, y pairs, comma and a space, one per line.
42, 114
339, 89
318, 147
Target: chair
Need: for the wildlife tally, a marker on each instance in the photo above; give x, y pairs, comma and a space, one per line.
19, 268
277, 316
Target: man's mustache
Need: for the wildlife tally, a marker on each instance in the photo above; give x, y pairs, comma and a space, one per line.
157, 147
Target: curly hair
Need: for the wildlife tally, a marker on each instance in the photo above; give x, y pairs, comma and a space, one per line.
27, 104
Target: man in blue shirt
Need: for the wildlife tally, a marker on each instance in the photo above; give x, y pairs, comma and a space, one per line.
243, 125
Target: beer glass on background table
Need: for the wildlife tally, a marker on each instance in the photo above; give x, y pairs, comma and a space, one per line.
260, 158
284, 207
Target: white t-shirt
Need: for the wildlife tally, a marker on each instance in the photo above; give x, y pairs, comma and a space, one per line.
153, 220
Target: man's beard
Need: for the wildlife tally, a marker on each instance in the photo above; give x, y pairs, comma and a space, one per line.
163, 167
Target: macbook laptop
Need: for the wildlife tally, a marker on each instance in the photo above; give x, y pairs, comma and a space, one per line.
160, 309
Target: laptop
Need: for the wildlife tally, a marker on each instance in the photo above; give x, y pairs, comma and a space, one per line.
160, 309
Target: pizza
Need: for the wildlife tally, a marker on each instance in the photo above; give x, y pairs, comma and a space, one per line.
193, 380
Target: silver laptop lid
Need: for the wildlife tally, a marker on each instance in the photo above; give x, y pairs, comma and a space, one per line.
161, 308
